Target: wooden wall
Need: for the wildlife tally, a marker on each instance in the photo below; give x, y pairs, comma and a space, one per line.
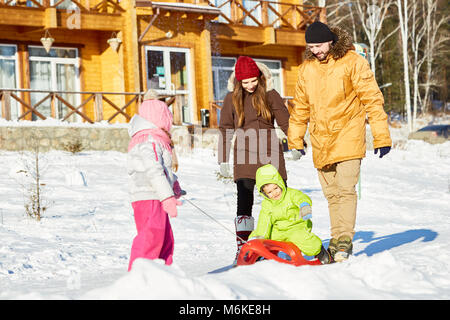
100, 67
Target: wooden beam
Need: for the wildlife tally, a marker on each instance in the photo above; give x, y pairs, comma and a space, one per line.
269, 36
15, 16
73, 109
239, 33
50, 19
98, 106
28, 106
141, 37
96, 21
6, 105
290, 38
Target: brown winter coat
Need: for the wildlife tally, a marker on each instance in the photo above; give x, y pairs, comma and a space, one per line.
334, 96
255, 131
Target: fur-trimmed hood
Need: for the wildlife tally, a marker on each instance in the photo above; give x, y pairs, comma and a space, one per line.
339, 48
265, 71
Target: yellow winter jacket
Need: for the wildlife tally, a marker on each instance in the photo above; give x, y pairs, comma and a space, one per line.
334, 96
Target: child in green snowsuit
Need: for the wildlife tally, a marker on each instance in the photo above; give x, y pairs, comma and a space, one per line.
285, 214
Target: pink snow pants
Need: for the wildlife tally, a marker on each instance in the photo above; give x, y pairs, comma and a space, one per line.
154, 238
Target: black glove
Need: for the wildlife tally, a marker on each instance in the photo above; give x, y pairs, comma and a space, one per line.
383, 151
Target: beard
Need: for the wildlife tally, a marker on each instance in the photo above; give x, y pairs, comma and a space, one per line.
321, 56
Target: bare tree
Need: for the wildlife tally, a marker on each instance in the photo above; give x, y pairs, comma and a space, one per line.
403, 15
30, 179
339, 12
372, 14
434, 43
417, 32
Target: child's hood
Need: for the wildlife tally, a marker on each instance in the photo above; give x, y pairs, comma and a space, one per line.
269, 174
138, 123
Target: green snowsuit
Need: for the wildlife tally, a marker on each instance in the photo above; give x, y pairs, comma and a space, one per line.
279, 219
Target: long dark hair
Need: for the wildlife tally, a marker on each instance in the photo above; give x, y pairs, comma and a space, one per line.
259, 100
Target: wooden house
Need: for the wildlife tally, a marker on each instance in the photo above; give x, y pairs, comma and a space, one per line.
105, 54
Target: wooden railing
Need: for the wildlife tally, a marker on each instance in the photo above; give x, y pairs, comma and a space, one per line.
97, 6
263, 13
90, 106
216, 106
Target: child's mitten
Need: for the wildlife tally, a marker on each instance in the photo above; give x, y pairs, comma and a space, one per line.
305, 211
170, 206
177, 190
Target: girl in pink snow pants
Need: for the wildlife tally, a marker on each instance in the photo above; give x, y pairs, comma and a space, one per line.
154, 238
154, 188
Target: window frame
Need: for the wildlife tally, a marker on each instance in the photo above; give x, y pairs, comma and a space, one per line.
16, 75
53, 69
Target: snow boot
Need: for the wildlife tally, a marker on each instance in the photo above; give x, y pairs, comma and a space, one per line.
332, 247
244, 226
344, 248
324, 256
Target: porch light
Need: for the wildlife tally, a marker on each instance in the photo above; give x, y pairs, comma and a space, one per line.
114, 41
47, 41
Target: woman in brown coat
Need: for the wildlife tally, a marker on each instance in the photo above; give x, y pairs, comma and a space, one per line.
248, 114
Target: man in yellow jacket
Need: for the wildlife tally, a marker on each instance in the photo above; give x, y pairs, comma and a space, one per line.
336, 90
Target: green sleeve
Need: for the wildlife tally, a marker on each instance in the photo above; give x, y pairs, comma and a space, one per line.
299, 197
264, 226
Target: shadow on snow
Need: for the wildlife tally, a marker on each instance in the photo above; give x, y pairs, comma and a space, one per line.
383, 243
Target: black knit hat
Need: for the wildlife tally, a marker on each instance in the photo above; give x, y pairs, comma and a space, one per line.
319, 32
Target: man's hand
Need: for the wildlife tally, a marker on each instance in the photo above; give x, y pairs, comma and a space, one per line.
383, 151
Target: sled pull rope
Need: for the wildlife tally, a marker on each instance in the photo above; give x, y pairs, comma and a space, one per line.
214, 219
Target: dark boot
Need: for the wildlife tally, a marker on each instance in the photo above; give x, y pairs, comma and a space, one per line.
324, 256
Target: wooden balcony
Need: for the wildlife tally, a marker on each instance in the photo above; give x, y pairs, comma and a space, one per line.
103, 15
257, 21
264, 13
89, 107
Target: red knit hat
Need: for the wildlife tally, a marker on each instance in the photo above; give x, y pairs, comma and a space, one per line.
245, 68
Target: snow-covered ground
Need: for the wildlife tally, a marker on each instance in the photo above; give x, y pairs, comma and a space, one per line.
81, 246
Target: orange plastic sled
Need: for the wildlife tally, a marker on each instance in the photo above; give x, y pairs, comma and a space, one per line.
269, 249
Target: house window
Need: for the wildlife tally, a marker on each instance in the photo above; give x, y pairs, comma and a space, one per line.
275, 69
222, 68
168, 73
8, 71
55, 71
